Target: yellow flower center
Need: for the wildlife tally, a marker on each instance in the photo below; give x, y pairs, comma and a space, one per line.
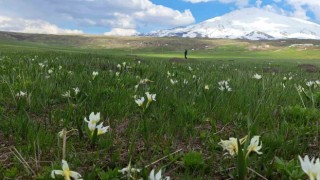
66, 174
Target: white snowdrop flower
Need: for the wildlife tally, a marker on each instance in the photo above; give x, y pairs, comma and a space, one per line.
42, 65
151, 97
221, 88
60, 67
285, 78
157, 176
300, 89
101, 129
173, 81
119, 66
117, 73
95, 73
60, 134
67, 94
311, 167
21, 94
93, 120
310, 83
185, 81
129, 170
145, 81
66, 172
190, 69
50, 71
206, 87
169, 74
76, 90
257, 76
140, 101
194, 76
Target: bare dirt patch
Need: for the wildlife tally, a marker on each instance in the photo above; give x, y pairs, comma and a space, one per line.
271, 70
309, 68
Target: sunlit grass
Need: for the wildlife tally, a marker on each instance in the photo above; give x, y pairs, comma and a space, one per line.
188, 108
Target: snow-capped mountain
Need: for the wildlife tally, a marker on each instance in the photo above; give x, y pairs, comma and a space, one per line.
247, 23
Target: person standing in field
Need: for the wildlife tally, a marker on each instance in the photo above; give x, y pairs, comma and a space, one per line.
185, 54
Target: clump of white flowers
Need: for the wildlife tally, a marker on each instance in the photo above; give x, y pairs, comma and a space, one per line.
21, 94
313, 84
94, 119
231, 145
67, 94
224, 86
140, 100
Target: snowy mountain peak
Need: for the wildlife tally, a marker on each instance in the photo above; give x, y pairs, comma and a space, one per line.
248, 23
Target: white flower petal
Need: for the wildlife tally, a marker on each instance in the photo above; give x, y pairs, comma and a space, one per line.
75, 175
56, 172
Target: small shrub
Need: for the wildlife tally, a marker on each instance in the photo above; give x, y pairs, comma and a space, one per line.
193, 161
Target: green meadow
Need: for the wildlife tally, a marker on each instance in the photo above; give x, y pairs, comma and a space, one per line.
227, 88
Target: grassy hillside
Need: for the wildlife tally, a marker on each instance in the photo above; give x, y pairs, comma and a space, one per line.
227, 88
165, 48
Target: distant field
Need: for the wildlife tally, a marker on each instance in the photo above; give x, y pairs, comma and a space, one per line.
165, 48
48, 83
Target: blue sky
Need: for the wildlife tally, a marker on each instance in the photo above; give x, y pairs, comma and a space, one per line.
128, 17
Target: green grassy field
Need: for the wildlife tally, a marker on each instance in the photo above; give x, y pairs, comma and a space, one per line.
180, 131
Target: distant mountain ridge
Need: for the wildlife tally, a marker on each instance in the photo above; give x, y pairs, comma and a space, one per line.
247, 23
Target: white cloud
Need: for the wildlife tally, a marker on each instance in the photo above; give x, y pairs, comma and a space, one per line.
275, 9
32, 26
121, 32
100, 14
258, 3
239, 3
197, 1
301, 7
